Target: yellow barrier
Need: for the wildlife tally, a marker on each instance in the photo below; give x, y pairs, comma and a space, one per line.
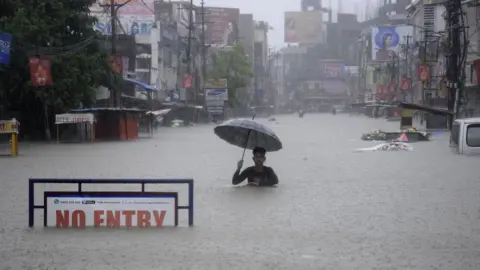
11, 127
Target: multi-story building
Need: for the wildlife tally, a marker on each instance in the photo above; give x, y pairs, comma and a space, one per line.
383, 73
431, 37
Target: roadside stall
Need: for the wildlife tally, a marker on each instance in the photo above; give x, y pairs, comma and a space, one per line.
11, 128
84, 125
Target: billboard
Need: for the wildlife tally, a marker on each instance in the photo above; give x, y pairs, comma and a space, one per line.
387, 41
221, 27
136, 18
304, 27
110, 209
333, 69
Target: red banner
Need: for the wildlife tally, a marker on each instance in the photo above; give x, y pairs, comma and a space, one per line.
116, 63
40, 71
423, 73
391, 88
405, 84
380, 91
476, 67
187, 81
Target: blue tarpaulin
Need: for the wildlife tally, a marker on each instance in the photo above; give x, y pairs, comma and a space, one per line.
5, 45
142, 85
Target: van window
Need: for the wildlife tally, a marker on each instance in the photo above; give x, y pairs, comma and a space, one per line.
455, 134
473, 135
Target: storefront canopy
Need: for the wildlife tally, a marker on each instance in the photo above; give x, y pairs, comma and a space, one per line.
142, 85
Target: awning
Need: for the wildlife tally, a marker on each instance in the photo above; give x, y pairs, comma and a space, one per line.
142, 85
159, 113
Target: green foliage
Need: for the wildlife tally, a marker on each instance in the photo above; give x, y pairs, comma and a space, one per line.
234, 66
57, 27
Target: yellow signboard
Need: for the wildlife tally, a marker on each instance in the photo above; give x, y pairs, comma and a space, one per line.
216, 84
9, 126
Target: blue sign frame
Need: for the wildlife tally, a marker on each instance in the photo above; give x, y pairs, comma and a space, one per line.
5, 47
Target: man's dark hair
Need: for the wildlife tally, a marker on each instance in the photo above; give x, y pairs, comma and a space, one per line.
259, 150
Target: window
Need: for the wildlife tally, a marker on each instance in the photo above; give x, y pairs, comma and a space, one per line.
473, 135
455, 134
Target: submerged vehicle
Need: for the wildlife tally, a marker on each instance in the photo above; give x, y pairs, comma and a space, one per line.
465, 136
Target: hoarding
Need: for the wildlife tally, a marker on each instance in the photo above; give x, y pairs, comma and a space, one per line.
216, 83
305, 27
215, 106
222, 27
333, 69
216, 94
136, 18
110, 209
387, 41
5, 46
9, 126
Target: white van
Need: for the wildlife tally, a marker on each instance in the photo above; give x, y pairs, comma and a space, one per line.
465, 136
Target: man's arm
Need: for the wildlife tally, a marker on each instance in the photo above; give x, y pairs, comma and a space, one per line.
240, 177
271, 180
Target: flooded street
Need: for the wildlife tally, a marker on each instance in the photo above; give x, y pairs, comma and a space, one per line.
333, 208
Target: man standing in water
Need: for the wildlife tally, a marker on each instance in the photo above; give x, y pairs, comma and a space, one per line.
259, 174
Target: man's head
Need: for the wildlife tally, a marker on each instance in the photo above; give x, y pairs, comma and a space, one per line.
259, 156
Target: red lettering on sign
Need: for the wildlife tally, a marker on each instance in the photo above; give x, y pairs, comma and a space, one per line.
63, 219
159, 217
128, 217
113, 219
143, 219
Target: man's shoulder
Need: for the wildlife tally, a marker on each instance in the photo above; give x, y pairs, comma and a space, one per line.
268, 169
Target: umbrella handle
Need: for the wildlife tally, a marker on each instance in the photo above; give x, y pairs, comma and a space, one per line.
246, 143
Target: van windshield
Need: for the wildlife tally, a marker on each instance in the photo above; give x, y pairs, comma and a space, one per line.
455, 134
473, 135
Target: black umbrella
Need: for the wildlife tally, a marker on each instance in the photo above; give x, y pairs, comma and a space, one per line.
248, 134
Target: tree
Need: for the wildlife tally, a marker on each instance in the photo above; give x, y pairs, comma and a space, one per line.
62, 30
234, 66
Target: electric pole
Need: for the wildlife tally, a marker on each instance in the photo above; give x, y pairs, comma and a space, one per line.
189, 37
204, 46
454, 12
113, 23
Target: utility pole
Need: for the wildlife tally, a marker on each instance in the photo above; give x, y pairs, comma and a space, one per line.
407, 66
204, 46
113, 21
454, 12
189, 37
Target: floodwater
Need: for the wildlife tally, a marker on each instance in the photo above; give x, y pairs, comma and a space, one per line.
333, 209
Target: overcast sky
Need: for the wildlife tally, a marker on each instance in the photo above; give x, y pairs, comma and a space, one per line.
272, 11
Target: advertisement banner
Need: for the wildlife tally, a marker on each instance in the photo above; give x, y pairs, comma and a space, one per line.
216, 94
405, 84
216, 83
136, 18
222, 27
380, 92
387, 41
5, 45
187, 81
9, 126
215, 106
40, 71
111, 209
423, 73
304, 27
116, 63
333, 69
